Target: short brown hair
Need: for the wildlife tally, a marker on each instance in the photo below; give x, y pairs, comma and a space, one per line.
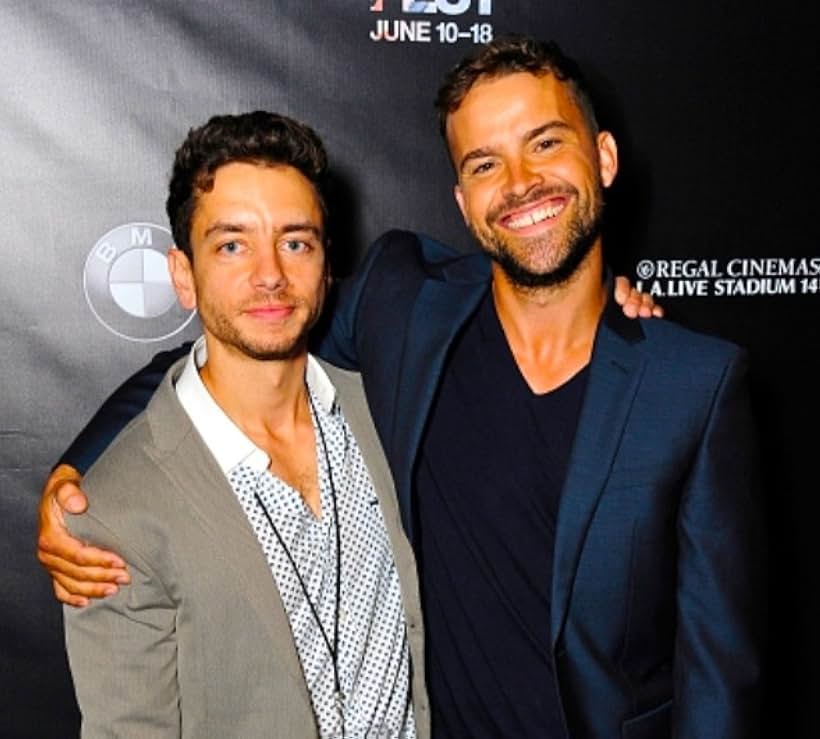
508, 55
258, 137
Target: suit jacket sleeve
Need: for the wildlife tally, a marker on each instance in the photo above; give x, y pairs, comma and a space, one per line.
122, 651
337, 342
722, 578
121, 406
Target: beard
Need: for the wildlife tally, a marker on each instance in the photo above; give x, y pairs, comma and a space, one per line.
229, 334
563, 251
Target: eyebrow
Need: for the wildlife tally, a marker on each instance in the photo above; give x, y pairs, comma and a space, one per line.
306, 226
487, 151
225, 227
229, 227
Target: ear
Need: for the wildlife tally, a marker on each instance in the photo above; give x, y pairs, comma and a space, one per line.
607, 157
459, 196
182, 277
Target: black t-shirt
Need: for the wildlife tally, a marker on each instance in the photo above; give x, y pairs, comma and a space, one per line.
487, 487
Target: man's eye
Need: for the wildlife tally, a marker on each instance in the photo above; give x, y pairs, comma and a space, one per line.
545, 144
295, 246
482, 168
230, 247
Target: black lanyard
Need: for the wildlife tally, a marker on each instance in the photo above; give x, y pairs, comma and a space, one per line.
334, 647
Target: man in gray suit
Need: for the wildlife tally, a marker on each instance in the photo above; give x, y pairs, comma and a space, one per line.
273, 592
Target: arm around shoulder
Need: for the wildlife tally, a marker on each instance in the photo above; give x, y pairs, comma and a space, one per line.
80, 571
337, 342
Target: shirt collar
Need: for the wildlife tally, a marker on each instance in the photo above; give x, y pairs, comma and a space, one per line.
225, 440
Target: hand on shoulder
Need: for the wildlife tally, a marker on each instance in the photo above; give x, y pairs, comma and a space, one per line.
78, 571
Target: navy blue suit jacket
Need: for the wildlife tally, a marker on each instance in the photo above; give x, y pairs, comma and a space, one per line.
658, 581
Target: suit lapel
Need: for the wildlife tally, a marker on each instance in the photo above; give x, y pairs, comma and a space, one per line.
438, 314
220, 516
615, 372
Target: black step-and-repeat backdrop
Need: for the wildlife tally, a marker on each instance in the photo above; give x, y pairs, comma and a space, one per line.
714, 212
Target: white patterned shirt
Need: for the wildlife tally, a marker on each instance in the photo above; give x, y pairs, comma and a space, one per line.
373, 654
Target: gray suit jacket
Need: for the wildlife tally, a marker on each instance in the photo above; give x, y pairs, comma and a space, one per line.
199, 645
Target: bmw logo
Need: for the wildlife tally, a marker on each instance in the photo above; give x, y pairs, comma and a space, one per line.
127, 285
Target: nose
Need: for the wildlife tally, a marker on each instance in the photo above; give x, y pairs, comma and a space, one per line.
521, 177
267, 270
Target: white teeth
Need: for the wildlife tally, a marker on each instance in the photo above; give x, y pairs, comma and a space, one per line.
535, 216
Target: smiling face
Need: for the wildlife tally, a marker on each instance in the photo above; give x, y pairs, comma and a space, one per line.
530, 175
258, 277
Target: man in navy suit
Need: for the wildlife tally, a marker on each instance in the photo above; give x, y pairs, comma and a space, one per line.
580, 489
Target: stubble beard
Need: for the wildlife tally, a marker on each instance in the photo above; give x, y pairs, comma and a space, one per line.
220, 326
568, 248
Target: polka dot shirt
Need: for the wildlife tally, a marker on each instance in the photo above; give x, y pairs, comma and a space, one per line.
373, 655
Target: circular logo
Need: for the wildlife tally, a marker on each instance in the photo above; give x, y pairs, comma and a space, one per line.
127, 285
645, 269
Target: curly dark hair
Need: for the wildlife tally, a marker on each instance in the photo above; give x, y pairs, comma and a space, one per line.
258, 137
507, 55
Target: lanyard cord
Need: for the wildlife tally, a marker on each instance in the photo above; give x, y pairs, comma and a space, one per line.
332, 648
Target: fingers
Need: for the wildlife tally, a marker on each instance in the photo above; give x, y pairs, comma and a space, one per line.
61, 492
65, 554
635, 303
64, 486
646, 306
623, 291
71, 498
64, 596
79, 593
78, 571
630, 300
74, 584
